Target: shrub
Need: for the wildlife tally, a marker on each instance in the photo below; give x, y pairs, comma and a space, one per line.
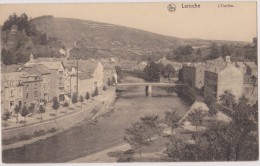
104, 88
74, 98
96, 92
25, 137
52, 130
87, 96
66, 104
9, 141
39, 133
52, 114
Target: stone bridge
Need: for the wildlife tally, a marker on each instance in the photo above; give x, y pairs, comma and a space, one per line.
148, 85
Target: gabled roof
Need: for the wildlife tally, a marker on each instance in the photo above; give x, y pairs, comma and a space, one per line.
10, 68
252, 65
83, 65
108, 66
42, 69
240, 64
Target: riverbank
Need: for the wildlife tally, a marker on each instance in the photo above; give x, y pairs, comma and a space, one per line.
28, 134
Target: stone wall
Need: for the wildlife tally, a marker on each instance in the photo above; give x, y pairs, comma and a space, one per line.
68, 121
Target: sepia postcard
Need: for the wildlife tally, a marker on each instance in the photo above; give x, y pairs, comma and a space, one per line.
137, 82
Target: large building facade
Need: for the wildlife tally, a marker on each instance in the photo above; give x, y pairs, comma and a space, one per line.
217, 80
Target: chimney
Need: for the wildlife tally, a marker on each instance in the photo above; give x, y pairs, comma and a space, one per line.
228, 59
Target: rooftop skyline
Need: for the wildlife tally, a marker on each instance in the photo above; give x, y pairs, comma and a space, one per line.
236, 23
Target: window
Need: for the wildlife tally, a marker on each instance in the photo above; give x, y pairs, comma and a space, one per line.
20, 103
35, 94
20, 92
27, 86
12, 93
11, 104
27, 95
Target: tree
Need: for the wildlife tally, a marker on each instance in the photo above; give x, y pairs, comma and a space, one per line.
172, 119
104, 88
113, 81
137, 136
213, 110
214, 51
96, 92
198, 53
42, 110
168, 71
87, 96
17, 109
253, 80
6, 115
152, 71
177, 150
81, 99
6, 57
196, 117
119, 72
227, 99
31, 108
24, 112
152, 125
209, 101
55, 104
66, 104
74, 98
108, 82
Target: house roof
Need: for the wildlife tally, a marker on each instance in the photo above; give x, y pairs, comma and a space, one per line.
108, 66
252, 65
42, 69
10, 68
83, 65
240, 64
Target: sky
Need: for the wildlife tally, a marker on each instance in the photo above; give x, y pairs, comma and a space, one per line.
237, 23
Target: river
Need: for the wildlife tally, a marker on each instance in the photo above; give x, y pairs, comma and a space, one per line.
104, 132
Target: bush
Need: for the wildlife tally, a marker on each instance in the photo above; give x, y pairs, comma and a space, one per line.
66, 104
9, 141
39, 133
52, 130
52, 114
87, 96
25, 137
96, 92
74, 98
104, 88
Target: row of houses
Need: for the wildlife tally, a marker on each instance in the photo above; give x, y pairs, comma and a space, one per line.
42, 79
215, 76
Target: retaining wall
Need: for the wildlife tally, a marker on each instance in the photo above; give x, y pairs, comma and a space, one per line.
65, 122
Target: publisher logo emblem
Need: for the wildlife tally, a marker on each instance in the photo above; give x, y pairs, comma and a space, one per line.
171, 7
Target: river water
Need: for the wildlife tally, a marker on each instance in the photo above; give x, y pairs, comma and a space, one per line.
104, 132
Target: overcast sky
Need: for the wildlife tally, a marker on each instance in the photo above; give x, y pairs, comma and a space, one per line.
236, 23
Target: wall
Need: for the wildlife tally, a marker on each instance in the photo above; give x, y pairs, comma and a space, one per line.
232, 79
62, 122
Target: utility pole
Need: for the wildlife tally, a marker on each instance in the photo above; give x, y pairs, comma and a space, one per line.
77, 90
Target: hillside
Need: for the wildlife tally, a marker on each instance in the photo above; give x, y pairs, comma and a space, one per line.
46, 35
101, 40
